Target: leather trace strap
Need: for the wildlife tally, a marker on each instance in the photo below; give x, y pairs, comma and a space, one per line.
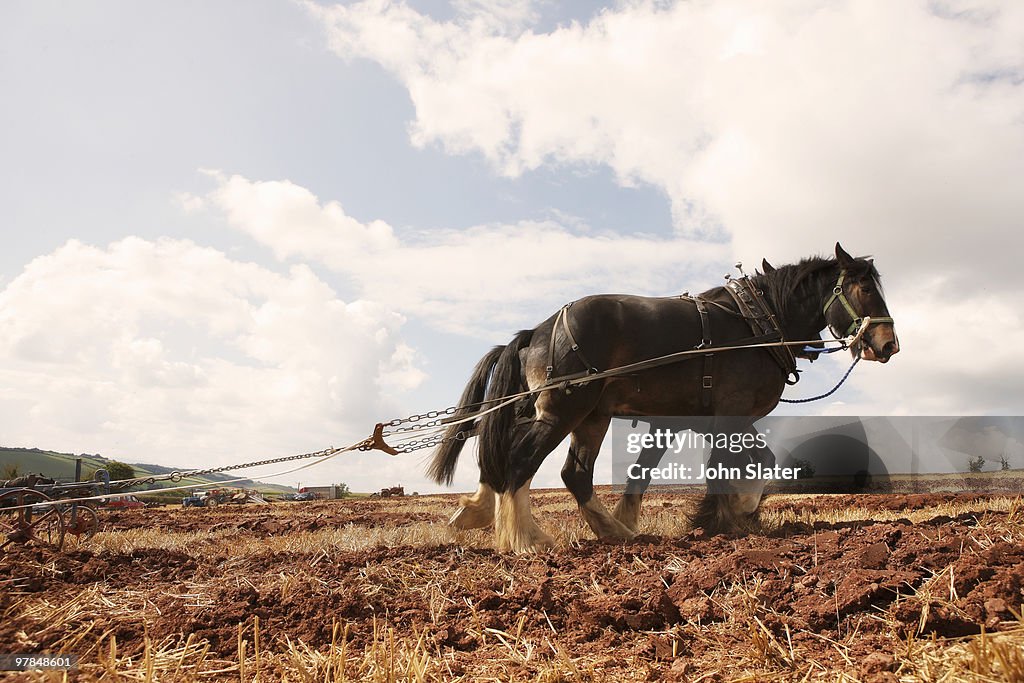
752, 306
707, 380
563, 318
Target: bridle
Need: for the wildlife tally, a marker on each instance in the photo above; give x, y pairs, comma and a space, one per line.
857, 319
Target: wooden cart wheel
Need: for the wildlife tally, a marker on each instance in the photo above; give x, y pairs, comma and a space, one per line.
81, 521
42, 525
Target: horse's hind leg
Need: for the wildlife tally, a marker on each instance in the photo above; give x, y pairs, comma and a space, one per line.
578, 475
514, 526
515, 529
476, 511
627, 510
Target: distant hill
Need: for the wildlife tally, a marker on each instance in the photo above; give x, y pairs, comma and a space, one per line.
61, 466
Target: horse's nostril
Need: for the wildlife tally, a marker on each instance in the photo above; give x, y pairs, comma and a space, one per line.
890, 349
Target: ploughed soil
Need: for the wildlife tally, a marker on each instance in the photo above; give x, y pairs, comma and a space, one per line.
819, 597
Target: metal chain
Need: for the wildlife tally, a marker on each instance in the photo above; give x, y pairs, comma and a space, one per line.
431, 415
419, 418
364, 445
429, 442
148, 481
273, 461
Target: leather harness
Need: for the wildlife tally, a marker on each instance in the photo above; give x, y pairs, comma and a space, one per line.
573, 346
707, 379
762, 320
751, 306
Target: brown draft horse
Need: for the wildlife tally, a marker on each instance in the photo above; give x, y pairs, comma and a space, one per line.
610, 331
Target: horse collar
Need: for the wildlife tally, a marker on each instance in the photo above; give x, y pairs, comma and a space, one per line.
759, 316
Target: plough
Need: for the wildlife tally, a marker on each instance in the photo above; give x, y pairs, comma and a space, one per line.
28, 513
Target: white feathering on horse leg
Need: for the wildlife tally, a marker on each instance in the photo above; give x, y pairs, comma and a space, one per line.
602, 523
627, 510
514, 526
476, 511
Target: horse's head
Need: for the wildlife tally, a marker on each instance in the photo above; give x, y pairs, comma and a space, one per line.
857, 295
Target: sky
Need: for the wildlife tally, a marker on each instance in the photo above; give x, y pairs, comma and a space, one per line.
242, 230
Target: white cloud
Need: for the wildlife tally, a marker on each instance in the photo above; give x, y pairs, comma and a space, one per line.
490, 280
772, 121
170, 352
484, 280
960, 356
291, 221
499, 16
895, 128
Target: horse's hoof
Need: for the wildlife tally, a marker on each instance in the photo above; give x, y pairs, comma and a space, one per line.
536, 546
469, 517
534, 541
627, 513
619, 532
454, 519
627, 521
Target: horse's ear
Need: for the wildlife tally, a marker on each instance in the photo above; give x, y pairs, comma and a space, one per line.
767, 267
845, 260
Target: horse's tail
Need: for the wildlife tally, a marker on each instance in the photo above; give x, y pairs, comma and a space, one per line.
496, 427
496, 375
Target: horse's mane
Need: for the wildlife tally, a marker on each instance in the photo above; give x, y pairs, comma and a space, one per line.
789, 283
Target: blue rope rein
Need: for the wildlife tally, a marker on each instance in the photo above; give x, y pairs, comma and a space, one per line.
829, 392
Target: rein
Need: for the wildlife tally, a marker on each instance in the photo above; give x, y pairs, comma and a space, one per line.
566, 382
830, 391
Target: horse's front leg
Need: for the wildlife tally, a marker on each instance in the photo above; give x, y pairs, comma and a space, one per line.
733, 504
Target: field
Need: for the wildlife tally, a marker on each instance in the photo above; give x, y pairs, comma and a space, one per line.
879, 588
